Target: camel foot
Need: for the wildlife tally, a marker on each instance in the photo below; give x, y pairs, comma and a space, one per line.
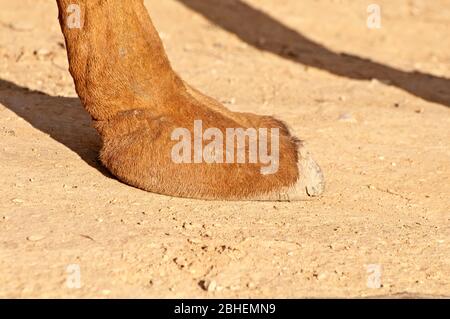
161, 135
139, 149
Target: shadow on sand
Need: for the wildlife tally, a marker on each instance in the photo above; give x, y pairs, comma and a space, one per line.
62, 118
265, 33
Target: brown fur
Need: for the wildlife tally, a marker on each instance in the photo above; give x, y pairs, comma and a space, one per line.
126, 83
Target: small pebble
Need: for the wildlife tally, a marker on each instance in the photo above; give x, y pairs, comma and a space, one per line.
251, 285
35, 237
347, 117
321, 276
212, 285
187, 226
207, 234
42, 52
208, 285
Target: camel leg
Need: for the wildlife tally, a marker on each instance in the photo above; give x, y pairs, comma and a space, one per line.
138, 104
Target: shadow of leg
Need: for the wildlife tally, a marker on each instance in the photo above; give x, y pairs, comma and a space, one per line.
265, 33
62, 118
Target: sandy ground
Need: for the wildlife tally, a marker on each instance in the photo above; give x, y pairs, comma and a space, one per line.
372, 104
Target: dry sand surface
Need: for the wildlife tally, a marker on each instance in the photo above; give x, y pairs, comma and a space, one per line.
373, 105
